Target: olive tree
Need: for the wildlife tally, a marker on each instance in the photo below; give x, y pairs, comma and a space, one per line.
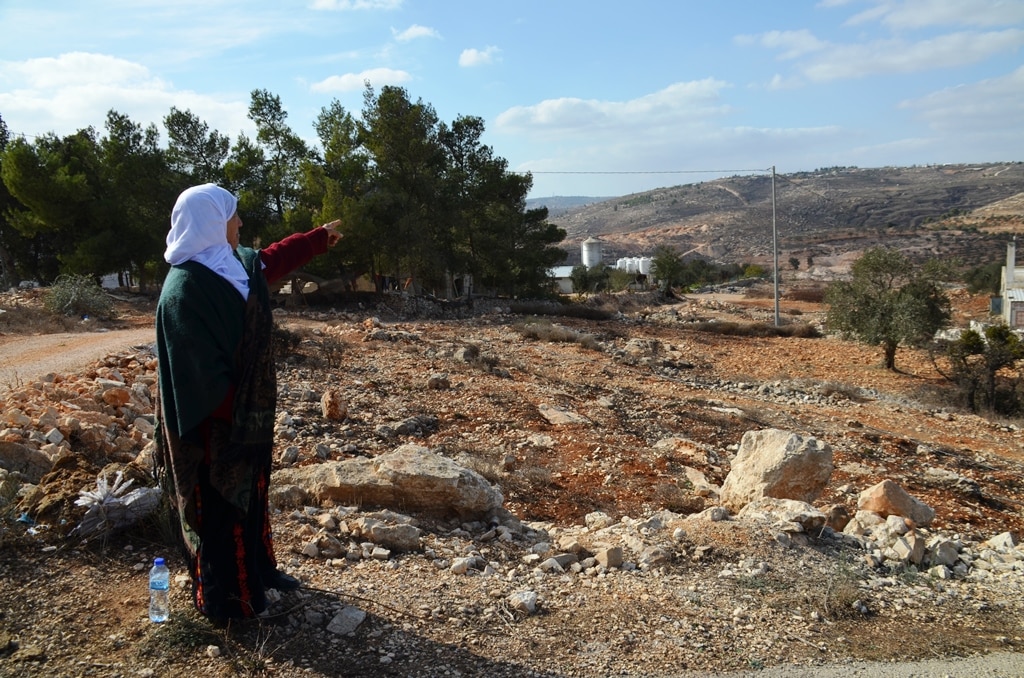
668, 267
984, 368
888, 301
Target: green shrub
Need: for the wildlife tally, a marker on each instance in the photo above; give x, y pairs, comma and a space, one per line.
78, 295
286, 342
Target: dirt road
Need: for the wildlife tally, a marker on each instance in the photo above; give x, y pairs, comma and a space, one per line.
996, 665
25, 358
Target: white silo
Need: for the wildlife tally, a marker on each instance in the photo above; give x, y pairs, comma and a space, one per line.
591, 251
645, 265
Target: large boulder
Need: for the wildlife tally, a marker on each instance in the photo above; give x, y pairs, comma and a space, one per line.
779, 464
889, 499
409, 478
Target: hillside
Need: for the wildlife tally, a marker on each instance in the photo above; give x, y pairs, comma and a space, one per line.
936, 211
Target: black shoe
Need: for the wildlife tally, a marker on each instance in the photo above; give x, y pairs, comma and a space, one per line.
218, 622
276, 579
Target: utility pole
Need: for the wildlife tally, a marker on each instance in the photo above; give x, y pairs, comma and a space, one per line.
775, 250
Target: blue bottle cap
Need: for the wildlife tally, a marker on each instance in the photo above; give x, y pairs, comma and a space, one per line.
158, 561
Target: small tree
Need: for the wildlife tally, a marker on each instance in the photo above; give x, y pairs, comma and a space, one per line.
986, 278
619, 280
580, 277
976, 363
754, 271
794, 263
668, 267
888, 301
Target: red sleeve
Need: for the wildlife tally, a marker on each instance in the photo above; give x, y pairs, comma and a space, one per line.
286, 255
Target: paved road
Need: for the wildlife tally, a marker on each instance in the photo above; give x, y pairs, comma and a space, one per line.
27, 358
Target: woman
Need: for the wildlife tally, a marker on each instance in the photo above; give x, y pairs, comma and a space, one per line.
218, 395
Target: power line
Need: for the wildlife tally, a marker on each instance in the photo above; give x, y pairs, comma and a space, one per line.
707, 171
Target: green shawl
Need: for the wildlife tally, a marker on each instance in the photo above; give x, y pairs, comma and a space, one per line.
208, 341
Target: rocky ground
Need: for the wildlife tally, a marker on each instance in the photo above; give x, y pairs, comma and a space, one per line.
600, 435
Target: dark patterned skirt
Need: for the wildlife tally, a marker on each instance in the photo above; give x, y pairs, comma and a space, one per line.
226, 527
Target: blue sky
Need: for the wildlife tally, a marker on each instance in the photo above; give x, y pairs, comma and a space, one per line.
597, 98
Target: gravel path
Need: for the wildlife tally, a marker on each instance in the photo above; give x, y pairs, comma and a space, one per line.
24, 359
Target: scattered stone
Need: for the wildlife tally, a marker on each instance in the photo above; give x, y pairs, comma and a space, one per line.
610, 557
560, 416
333, 405
523, 601
346, 621
438, 382
887, 499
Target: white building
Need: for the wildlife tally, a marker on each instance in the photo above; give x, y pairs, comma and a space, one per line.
563, 278
1012, 289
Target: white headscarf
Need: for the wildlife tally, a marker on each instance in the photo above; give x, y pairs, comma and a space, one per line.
199, 233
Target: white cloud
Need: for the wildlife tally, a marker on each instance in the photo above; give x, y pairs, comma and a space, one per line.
990, 106
678, 105
351, 82
839, 62
345, 5
74, 68
413, 32
681, 131
819, 61
475, 57
780, 83
76, 90
915, 14
793, 43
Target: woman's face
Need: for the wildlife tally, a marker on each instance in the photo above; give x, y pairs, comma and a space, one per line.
234, 224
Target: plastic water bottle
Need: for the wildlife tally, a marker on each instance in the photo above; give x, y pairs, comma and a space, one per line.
159, 590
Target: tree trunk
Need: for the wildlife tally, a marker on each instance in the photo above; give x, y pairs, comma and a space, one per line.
890, 354
990, 390
8, 273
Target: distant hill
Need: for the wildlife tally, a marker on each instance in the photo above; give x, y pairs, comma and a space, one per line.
830, 215
560, 204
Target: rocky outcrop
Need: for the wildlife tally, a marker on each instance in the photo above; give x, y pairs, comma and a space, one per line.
410, 477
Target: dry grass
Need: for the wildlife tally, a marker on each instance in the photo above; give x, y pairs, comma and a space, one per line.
78, 296
587, 312
545, 330
741, 329
33, 319
814, 294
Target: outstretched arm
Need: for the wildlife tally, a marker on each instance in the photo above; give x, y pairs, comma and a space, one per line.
288, 254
